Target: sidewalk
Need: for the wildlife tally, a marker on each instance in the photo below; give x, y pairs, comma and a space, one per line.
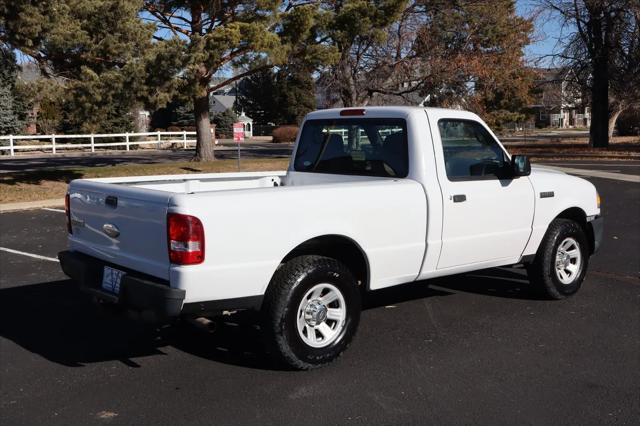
29, 205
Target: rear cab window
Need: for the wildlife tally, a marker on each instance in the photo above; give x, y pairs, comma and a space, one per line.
354, 146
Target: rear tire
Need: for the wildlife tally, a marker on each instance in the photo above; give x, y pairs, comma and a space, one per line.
561, 261
311, 312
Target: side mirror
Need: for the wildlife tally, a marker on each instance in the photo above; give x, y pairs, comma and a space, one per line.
520, 165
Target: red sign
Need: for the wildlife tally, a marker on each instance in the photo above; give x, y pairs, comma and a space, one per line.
238, 132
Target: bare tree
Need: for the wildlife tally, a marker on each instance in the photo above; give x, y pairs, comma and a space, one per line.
624, 90
442, 53
354, 29
599, 48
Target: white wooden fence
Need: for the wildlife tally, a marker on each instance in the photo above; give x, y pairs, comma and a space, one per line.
55, 143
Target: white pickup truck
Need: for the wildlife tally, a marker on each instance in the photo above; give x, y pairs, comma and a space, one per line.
373, 197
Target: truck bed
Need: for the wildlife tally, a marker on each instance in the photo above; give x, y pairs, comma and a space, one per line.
194, 183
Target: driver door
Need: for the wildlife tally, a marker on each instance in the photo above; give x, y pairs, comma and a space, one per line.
487, 214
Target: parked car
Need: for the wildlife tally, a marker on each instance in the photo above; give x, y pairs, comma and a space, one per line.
373, 198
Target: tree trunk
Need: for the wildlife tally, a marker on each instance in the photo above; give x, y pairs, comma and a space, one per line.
348, 90
599, 130
204, 146
613, 118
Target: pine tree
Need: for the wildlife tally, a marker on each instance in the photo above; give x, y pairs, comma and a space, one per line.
9, 123
246, 36
11, 109
224, 123
296, 92
257, 97
183, 115
101, 51
282, 96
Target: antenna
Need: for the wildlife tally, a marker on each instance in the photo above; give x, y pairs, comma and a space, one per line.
424, 101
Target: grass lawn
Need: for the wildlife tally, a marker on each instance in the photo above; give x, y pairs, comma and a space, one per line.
620, 148
51, 183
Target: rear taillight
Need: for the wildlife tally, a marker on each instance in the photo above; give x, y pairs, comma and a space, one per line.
186, 239
67, 211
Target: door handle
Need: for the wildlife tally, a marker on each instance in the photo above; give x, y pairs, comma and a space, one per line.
459, 198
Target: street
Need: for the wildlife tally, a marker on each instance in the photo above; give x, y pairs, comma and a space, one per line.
26, 163
479, 348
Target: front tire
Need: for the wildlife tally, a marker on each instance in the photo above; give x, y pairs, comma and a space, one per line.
310, 312
561, 261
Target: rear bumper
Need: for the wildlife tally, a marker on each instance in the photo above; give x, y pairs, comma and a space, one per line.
137, 292
597, 229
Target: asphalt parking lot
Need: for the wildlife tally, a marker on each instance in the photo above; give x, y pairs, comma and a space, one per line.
479, 348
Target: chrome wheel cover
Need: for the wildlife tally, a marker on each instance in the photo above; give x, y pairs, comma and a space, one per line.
321, 315
568, 261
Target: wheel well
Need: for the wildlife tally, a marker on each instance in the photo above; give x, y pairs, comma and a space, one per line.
574, 213
580, 217
337, 247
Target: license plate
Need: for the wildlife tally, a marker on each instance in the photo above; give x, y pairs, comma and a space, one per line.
111, 279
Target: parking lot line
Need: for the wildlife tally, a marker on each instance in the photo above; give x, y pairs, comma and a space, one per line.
619, 164
36, 256
53, 210
597, 173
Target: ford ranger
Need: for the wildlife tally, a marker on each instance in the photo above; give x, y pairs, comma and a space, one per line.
373, 197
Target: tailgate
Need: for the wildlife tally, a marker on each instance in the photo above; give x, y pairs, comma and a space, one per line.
120, 224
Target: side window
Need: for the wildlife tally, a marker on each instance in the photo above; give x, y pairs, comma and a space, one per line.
470, 152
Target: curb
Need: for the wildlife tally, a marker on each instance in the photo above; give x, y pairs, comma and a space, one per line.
29, 205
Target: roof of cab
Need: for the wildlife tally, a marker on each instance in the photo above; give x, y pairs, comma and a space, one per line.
387, 112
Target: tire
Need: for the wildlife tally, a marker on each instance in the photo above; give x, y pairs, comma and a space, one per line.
300, 329
561, 261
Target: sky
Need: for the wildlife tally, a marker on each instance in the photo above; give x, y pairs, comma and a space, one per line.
547, 31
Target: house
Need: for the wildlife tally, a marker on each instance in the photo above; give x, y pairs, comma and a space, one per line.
222, 99
220, 103
559, 101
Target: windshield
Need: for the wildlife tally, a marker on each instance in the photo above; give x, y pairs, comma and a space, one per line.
354, 146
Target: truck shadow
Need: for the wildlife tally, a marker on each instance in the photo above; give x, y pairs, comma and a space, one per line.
508, 283
57, 322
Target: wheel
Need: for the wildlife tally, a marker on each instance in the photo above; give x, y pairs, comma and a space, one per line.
561, 261
310, 312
